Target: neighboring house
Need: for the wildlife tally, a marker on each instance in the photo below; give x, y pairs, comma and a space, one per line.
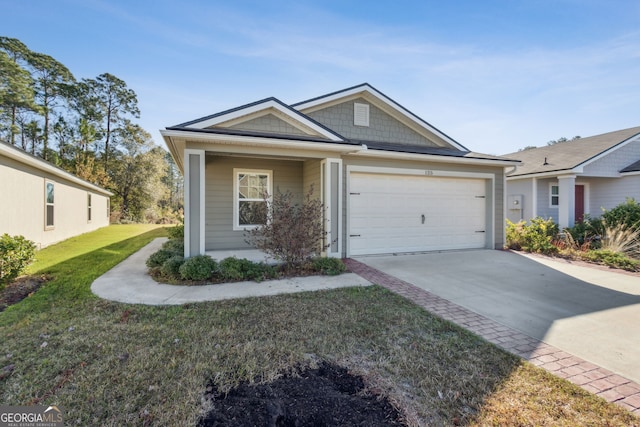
568, 180
389, 181
44, 203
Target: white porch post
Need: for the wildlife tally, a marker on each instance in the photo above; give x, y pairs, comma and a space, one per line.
194, 169
332, 200
567, 201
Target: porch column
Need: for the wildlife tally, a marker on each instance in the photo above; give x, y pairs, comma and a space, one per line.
567, 201
193, 202
332, 200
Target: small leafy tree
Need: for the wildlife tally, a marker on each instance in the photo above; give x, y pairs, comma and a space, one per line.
16, 253
293, 233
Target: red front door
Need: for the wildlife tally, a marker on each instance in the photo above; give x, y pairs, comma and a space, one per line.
579, 203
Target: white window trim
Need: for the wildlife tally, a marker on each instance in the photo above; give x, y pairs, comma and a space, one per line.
551, 195
46, 204
236, 199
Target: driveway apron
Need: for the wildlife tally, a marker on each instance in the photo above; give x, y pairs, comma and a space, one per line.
589, 313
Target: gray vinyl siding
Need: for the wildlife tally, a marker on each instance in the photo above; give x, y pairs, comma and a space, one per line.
498, 201
382, 127
269, 124
544, 208
611, 164
522, 187
609, 193
311, 177
219, 233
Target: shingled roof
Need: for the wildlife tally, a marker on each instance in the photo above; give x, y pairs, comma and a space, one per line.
566, 156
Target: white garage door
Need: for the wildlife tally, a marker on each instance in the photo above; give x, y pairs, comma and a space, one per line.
408, 213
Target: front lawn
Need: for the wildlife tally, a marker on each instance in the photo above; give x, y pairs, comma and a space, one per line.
114, 364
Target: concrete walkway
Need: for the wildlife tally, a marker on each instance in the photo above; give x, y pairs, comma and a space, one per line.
128, 282
457, 277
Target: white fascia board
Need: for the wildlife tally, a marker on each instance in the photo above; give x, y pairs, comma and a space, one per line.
431, 158
384, 99
45, 166
551, 174
262, 141
260, 107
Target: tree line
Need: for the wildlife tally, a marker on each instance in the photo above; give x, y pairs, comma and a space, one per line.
86, 127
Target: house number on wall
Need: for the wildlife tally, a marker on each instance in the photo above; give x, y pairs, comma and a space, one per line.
428, 173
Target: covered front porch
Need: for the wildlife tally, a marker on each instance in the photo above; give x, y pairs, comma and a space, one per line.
223, 183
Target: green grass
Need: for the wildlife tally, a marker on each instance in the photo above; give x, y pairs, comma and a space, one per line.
114, 364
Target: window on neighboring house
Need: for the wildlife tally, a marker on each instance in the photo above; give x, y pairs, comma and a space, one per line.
250, 188
49, 204
554, 196
89, 207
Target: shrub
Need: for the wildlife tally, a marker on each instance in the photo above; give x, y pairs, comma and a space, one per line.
587, 232
176, 232
171, 267
159, 257
16, 253
538, 236
612, 259
292, 233
242, 269
199, 267
627, 214
328, 266
175, 246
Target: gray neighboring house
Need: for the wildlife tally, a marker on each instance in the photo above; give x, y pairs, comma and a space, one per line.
568, 180
44, 203
388, 180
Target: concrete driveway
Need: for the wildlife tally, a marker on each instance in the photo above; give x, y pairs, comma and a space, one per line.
591, 313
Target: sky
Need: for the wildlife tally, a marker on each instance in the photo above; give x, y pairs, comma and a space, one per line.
494, 75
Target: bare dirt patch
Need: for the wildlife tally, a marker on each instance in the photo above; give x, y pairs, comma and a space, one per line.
326, 396
20, 289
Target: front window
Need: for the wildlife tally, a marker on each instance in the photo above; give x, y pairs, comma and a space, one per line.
49, 204
251, 188
554, 195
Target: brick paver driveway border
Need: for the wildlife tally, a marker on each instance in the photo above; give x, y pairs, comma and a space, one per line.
593, 378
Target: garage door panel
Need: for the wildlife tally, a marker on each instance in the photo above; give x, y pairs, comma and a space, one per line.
386, 213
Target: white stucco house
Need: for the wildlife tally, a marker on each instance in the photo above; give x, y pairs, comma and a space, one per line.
389, 181
44, 203
565, 181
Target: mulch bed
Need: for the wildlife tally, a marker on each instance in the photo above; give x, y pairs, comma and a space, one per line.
326, 396
20, 289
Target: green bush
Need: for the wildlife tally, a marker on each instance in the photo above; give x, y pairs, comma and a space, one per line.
159, 257
199, 267
171, 267
176, 232
328, 266
16, 253
538, 236
232, 268
612, 259
627, 214
175, 246
587, 232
